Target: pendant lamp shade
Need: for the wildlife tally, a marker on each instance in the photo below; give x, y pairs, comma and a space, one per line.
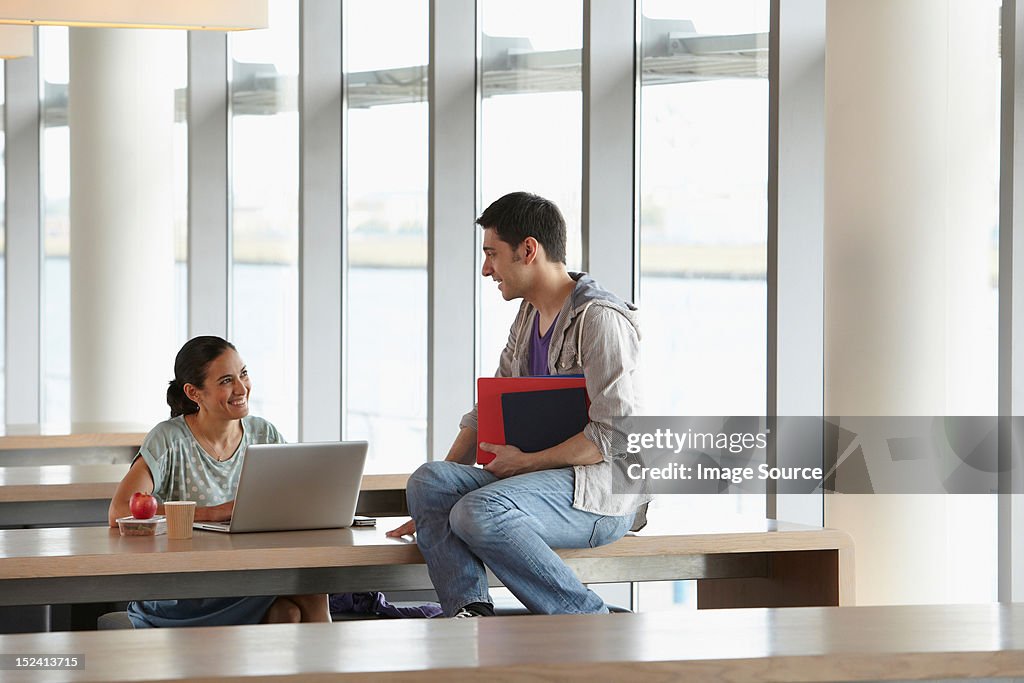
208, 15
16, 41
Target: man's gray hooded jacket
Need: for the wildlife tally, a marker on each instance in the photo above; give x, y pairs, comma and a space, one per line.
596, 335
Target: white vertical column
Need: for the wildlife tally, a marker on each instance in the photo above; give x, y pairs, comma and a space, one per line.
121, 115
1011, 298
322, 262
610, 86
795, 236
610, 93
452, 278
905, 273
209, 185
24, 244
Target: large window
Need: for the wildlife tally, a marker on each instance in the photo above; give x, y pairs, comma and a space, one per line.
386, 171
531, 127
703, 227
265, 212
703, 201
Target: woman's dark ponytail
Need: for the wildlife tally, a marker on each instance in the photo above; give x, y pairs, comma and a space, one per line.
180, 403
190, 368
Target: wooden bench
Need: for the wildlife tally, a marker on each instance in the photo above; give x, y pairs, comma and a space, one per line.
752, 564
812, 644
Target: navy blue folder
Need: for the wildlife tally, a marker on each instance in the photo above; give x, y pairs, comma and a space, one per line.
535, 420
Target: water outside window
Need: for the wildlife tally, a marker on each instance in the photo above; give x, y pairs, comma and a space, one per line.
703, 229
386, 338
265, 212
531, 128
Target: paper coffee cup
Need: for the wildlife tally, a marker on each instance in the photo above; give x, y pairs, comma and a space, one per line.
180, 515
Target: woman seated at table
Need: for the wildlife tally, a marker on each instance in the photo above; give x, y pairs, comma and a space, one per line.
197, 455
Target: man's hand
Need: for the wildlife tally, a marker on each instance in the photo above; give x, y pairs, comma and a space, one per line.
407, 529
508, 460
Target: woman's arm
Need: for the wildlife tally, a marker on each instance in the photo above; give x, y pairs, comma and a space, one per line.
139, 478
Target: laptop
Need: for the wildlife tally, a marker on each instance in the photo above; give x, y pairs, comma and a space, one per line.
294, 486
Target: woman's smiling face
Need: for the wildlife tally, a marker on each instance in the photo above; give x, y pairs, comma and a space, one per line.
225, 390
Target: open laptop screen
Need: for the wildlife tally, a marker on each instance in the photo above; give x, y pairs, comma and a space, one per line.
287, 487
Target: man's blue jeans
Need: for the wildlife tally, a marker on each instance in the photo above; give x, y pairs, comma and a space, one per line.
467, 518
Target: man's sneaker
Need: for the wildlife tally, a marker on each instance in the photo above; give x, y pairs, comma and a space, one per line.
475, 609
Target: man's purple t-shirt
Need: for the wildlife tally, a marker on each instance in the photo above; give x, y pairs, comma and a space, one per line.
539, 347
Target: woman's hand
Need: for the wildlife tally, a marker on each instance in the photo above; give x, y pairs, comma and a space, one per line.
216, 513
407, 529
138, 478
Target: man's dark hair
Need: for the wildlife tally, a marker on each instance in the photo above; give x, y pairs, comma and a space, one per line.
519, 215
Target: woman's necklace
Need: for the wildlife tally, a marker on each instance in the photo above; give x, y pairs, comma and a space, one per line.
206, 444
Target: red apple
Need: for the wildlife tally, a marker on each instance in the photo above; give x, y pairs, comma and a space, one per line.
142, 505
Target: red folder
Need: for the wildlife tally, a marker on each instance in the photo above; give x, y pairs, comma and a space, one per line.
490, 422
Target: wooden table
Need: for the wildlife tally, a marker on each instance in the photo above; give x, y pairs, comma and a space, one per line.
83, 448
62, 479
751, 564
62, 495
57, 495
79, 495
34, 439
810, 644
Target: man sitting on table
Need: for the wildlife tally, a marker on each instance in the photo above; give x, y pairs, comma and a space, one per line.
510, 514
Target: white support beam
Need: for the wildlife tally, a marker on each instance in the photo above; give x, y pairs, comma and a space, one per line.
451, 260
1011, 300
610, 87
322, 262
209, 185
24, 247
796, 211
